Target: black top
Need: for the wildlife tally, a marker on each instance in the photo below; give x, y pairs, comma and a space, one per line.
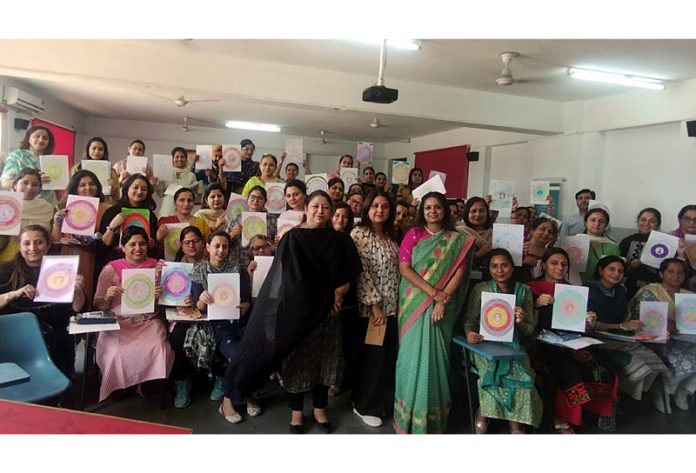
611, 306
295, 298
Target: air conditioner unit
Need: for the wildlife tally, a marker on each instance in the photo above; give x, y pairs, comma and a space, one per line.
23, 101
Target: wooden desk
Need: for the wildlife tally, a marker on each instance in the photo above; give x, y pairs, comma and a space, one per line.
24, 418
493, 351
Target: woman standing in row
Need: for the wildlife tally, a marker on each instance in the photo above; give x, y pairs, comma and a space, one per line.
97, 150
434, 261
378, 297
38, 140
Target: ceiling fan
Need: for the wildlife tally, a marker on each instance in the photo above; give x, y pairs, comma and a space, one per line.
185, 127
181, 100
376, 123
506, 74
322, 133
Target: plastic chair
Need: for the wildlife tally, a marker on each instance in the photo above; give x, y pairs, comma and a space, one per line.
21, 342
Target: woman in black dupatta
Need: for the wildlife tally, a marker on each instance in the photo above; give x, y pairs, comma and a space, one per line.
294, 319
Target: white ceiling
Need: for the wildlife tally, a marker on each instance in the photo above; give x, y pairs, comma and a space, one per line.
317, 84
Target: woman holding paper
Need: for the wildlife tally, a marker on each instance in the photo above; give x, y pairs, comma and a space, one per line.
84, 184
415, 179
139, 351
680, 381
38, 140
434, 261
478, 225
584, 379
265, 174
227, 333
639, 366
35, 210
183, 203
596, 223
180, 176
97, 150
378, 300
18, 281
506, 388
631, 247
136, 148
544, 233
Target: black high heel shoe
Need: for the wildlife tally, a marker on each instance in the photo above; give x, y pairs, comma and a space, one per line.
323, 426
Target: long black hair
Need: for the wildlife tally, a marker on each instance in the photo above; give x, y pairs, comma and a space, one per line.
148, 203
420, 217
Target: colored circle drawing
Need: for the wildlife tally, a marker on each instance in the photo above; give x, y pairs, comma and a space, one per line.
505, 240
232, 157
137, 220
686, 314
568, 307
284, 228
57, 279
139, 291
400, 173
654, 321
659, 250
316, 183
276, 198
497, 317
172, 241
55, 172
176, 283
10, 213
236, 206
365, 152
224, 296
81, 215
254, 226
574, 253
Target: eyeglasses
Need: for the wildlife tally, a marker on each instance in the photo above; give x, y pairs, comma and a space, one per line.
689, 220
260, 248
353, 202
191, 242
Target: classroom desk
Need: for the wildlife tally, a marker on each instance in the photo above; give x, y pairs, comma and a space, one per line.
24, 418
493, 351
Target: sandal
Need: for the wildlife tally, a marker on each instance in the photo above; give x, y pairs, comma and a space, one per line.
563, 428
480, 423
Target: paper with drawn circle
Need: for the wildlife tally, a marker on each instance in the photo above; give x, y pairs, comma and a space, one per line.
569, 308
365, 152
253, 223
578, 249
235, 206
539, 192
349, 176
275, 203
400, 171
176, 283
10, 212
56, 167
81, 216
659, 247
511, 238
57, 279
654, 317
224, 288
685, 313
172, 240
316, 182
285, 225
138, 291
497, 316
233, 158
136, 217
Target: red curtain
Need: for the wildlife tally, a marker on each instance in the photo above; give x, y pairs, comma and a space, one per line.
65, 138
453, 162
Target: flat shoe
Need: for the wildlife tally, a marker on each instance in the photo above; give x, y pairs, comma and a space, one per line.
253, 411
324, 426
233, 419
297, 429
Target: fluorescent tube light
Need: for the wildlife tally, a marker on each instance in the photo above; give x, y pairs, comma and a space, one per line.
613, 78
253, 126
409, 44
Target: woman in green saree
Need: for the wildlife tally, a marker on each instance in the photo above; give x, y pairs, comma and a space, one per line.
505, 387
434, 261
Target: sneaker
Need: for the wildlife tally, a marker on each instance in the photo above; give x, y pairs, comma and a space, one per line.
181, 399
218, 391
372, 421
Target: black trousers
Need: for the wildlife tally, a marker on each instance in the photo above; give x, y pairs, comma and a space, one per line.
182, 368
373, 387
320, 398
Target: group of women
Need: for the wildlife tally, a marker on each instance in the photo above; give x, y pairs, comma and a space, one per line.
365, 293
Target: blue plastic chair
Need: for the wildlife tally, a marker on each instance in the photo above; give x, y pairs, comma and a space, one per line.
21, 342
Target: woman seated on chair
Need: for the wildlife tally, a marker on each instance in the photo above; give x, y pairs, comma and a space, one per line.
18, 288
139, 351
583, 379
506, 388
680, 381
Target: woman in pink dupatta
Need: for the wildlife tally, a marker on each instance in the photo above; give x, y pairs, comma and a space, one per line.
139, 351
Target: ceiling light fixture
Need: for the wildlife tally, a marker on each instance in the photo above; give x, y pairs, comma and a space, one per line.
253, 126
408, 44
614, 78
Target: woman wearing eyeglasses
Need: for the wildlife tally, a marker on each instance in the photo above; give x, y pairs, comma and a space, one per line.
183, 204
260, 245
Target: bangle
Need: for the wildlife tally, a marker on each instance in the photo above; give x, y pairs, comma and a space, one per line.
621, 326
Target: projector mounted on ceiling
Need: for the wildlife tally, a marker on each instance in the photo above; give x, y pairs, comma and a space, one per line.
379, 93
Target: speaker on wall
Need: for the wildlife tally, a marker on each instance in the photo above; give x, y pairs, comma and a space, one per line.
21, 124
691, 128
472, 156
